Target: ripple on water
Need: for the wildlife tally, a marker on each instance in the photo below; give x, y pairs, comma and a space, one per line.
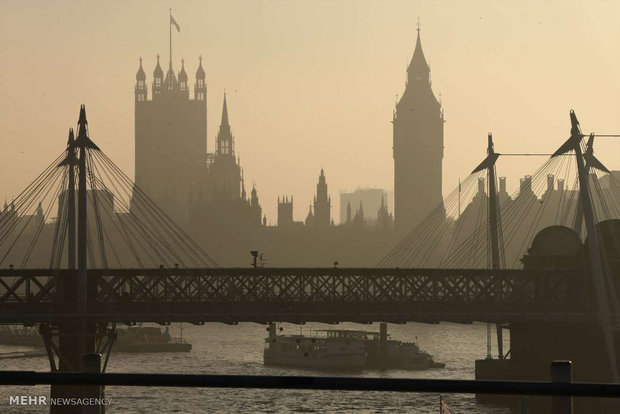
225, 349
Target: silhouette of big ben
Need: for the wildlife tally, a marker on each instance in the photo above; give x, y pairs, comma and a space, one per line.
418, 146
170, 137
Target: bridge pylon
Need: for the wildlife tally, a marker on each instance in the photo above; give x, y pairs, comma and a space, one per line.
494, 233
603, 281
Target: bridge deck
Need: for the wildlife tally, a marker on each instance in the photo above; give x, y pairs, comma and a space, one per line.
300, 294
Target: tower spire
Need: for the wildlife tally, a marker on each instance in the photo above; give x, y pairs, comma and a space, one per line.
224, 111
418, 67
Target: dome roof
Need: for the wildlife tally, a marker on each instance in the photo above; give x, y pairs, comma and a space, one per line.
556, 241
140, 75
200, 73
182, 73
158, 72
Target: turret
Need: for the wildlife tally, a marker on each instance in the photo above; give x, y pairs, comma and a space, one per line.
158, 80
310, 217
140, 84
254, 198
183, 80
243, 194
200, 88
170, 83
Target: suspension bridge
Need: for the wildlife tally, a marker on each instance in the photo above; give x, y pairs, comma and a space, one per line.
111, 256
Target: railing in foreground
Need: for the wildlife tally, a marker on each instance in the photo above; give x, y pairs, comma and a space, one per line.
602, 390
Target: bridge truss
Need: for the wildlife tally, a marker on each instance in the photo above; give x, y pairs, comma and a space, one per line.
300, 295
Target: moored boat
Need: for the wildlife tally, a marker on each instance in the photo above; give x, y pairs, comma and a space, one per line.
129, 339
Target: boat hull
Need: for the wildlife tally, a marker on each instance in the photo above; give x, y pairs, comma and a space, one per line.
339, 362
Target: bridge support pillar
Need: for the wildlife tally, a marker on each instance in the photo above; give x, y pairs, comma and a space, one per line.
92, 363
383, 336
500, 340
561, 372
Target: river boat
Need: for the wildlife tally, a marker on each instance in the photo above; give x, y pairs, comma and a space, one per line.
385, 353
130, 339
345, 349
327, 352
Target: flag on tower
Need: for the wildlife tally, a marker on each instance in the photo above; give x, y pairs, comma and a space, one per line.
174, 22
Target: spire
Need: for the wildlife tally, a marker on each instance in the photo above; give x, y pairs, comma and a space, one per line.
254, 196
170, 83
348, 211
310, 217
225, 112
182, 73
418, 68
140, 75
200, 73
158, 72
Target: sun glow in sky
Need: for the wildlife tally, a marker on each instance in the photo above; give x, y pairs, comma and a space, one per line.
313, 84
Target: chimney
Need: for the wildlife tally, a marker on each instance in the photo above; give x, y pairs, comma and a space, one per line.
481, 185
502, 184
550, 182
560, 184
525, 184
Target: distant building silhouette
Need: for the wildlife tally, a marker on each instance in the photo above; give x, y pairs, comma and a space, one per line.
418, 146
322, 204
170, 137
371, 198
223, 169
285, 212
385, 220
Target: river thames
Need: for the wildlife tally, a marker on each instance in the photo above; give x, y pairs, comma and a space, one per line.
238, 349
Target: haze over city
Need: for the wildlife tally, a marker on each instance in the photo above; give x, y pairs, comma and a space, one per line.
260, 194
313, 84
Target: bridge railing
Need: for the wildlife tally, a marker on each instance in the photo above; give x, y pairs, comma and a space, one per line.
303, 294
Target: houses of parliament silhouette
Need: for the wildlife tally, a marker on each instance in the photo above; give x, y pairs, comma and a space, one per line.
205, 192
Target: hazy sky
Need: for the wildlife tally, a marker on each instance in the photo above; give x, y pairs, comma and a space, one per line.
313, 84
